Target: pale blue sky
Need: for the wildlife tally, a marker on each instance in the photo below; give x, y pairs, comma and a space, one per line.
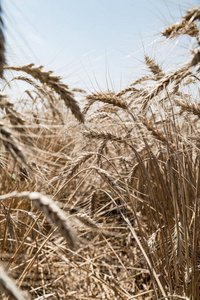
90, 43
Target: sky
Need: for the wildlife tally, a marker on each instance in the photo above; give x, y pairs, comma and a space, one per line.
92, 44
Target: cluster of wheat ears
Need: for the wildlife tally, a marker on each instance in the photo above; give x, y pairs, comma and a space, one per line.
101, 202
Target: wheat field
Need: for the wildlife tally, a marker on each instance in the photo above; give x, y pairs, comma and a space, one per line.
100, 197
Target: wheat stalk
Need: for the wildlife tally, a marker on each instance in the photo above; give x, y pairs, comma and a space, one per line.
2, 44
8, 286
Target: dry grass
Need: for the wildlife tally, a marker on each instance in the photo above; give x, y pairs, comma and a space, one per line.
106, 207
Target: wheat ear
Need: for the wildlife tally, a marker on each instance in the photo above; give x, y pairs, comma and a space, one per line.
153, 66
52, 212
54, 82
108, 97
11, 144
